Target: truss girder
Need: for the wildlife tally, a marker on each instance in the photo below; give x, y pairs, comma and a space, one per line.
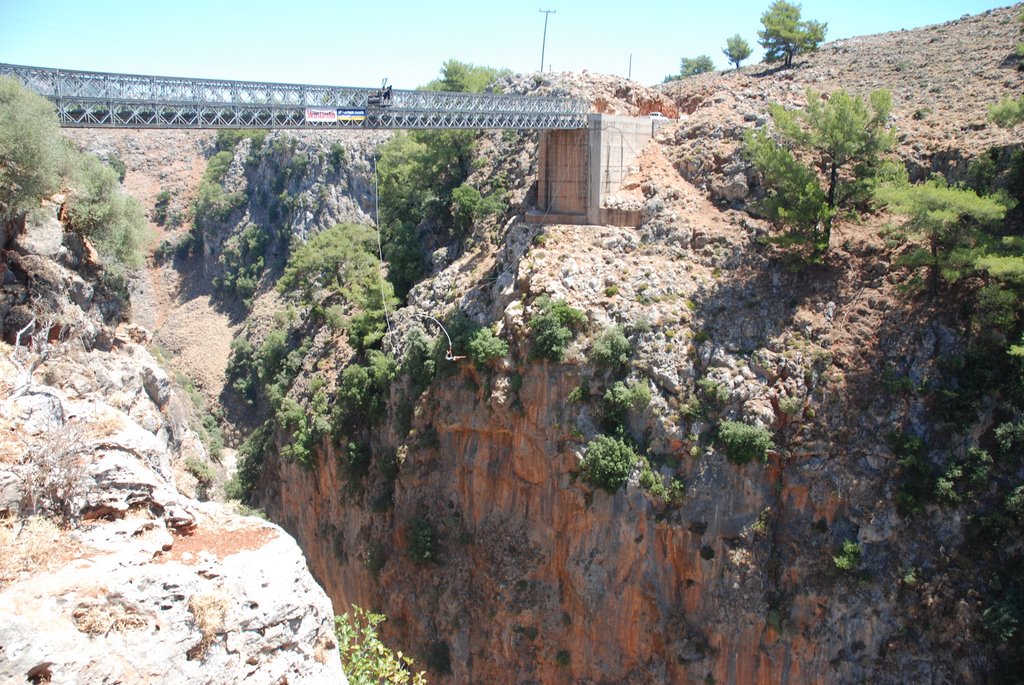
87, 99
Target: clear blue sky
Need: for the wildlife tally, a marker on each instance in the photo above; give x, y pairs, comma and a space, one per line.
357, 43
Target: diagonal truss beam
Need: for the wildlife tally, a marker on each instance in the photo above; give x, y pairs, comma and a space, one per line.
95, 99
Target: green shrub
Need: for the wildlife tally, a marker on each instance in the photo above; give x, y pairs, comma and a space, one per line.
744, 443
917, 475
1015, 503
200, 470
675, 492
308, 425
229, 138
250, 462
581, 393
470, 207
243, 261
337, 156
485, 347
424, 542
342, 261
163, 202
611, 348
32, 150
362, 393
103, 213
620, 398
849, 556
608, 462
552, 328
364, 658
713, 395
1003, 618
791, 406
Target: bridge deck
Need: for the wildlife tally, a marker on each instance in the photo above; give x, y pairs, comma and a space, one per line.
95, 99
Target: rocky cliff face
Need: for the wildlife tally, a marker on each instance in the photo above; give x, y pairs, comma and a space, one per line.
496, 562
108, 573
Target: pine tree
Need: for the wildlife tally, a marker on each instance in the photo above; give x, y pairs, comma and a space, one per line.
844, 137
736, 50
785, 35
948, 218
691, 66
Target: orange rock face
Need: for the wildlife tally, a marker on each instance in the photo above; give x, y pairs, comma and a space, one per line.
542, 578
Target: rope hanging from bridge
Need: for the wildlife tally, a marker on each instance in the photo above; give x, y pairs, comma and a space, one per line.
450, 356
380, 248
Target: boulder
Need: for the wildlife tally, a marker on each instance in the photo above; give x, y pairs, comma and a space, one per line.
42, 237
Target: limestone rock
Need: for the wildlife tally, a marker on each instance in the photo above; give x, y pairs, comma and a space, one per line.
247, 611
42, 237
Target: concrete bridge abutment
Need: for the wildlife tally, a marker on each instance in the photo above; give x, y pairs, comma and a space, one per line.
579, 169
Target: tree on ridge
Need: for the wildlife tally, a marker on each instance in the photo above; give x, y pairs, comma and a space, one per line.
737, 49
785, 35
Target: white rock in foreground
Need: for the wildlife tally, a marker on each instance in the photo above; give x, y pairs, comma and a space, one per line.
231, 603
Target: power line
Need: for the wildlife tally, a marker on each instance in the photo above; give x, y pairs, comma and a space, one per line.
544, 42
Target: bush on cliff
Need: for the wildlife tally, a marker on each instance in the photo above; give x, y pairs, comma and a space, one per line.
32, 152
100, 210
744, 443
608, 463
552, 328
611, 348
485, 347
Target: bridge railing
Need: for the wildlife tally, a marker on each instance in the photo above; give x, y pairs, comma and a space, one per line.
87, 98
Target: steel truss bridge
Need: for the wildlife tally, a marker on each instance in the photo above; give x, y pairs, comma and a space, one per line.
94, 99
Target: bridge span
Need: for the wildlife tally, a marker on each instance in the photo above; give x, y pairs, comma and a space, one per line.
96, 99
583, 158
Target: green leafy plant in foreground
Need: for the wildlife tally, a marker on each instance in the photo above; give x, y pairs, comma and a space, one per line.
364, 658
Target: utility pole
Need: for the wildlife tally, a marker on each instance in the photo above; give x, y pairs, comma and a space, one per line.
629, 74
545, 41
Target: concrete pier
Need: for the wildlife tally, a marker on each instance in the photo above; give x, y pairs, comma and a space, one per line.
578, 170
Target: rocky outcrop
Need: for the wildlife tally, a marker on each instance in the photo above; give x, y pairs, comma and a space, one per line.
108, 572
148, 586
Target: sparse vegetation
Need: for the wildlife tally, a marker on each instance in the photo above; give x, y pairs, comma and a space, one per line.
424, 541
849, 556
